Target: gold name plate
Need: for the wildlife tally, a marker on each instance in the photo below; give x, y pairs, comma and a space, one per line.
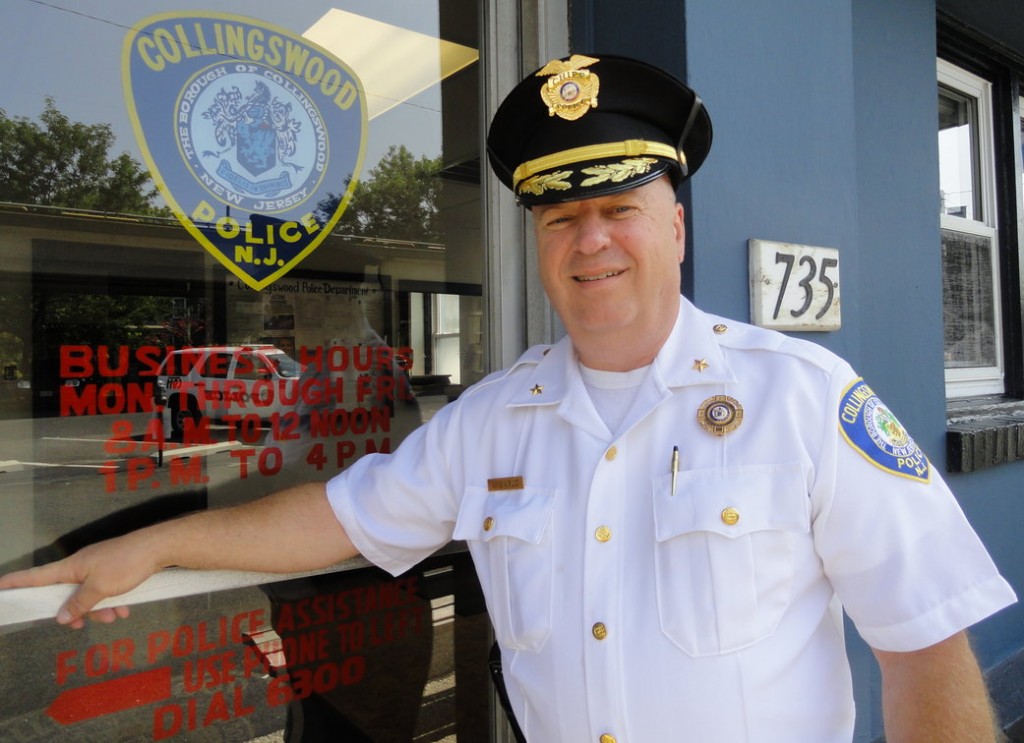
505, 483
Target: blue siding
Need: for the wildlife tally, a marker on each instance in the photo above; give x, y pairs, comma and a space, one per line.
776, 78
825, 121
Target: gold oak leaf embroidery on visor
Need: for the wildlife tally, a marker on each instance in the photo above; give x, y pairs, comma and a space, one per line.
617, 172
538, 184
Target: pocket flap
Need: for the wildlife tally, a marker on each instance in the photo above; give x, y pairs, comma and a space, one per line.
733, 501
521, 514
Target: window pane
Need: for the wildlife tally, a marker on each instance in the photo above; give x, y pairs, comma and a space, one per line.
144, 377
958, 155
968, 301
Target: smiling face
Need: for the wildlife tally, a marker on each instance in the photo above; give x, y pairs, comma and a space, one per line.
610, 266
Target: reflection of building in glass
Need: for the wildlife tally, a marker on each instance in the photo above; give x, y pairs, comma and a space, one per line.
155, 280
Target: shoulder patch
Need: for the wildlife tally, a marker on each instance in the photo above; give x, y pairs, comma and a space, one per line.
871, 428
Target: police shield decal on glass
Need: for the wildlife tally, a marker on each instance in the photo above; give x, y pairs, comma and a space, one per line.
246, 128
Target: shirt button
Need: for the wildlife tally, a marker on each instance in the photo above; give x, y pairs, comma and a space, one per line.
730, 516
603, 534
599, 630
488, 523
611, 453
607, 739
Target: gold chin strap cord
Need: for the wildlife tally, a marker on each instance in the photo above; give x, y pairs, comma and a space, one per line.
627, 148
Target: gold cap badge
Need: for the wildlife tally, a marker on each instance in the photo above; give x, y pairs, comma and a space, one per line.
570, 91
720, 415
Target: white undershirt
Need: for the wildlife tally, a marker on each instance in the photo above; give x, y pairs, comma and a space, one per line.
612, 392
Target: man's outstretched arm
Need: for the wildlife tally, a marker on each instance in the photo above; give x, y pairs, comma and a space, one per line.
936, 694
290, 531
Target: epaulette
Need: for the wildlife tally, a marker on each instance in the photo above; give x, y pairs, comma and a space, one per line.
746, 337
532, 355
739, 335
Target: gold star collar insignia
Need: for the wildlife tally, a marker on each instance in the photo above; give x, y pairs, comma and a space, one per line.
699, 365
538, 389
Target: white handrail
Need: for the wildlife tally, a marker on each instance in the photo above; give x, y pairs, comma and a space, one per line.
19, 605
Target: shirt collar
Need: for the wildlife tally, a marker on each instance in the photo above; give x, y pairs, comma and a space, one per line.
690, 356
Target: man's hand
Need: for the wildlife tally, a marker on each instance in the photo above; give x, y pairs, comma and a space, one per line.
936, 694
102, 570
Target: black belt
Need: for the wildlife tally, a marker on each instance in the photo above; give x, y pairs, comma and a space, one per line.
494, 664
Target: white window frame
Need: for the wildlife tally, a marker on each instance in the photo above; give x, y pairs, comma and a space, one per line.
981, 380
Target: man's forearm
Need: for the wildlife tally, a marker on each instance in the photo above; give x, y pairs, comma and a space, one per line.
291, 531
936, 694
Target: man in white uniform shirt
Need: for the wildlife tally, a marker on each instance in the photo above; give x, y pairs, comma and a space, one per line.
668, 511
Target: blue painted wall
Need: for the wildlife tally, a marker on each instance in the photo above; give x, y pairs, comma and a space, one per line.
825, 134
777, 81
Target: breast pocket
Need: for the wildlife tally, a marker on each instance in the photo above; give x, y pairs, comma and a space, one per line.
726, 543
509, 535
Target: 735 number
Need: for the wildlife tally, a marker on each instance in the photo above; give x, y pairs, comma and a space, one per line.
788, 259
794, 287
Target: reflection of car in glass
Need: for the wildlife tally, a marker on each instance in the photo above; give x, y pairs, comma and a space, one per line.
85, 393
216, 381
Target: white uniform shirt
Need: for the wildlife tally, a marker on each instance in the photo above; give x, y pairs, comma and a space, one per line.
710, 614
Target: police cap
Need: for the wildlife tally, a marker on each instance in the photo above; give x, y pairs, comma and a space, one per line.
584, 126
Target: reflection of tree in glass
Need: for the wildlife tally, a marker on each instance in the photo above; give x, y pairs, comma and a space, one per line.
101, 319
397, 200
60, 162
